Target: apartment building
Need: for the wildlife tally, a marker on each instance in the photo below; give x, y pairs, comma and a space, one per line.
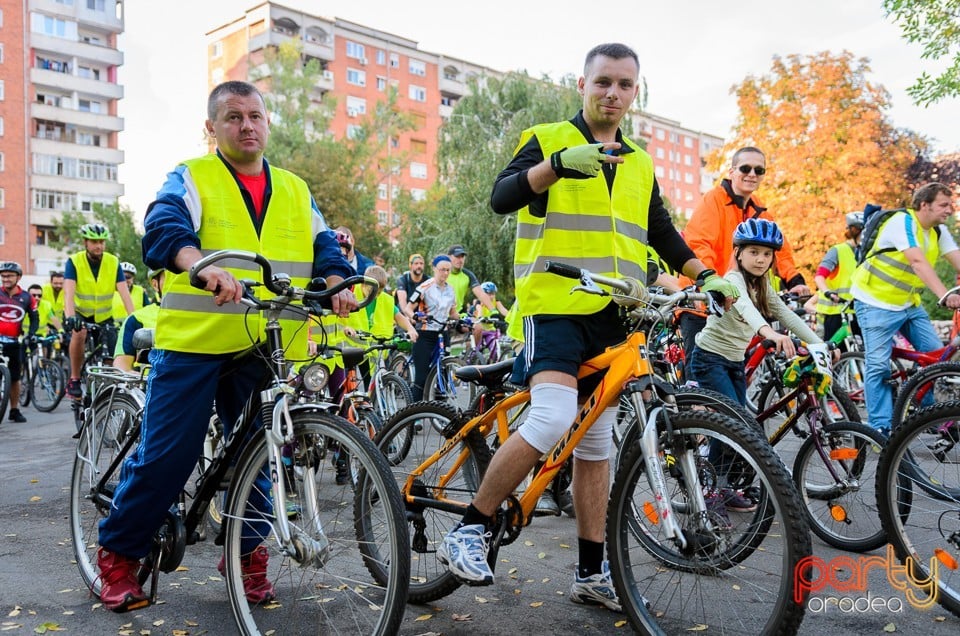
358, 64
58, 119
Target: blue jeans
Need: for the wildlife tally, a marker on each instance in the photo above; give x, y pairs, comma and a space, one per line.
713, 371
878, 327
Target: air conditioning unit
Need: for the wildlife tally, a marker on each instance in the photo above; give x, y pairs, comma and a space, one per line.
352, 112
328, 75
363, 61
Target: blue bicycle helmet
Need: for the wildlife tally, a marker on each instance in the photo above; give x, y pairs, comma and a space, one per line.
758, 232
488, 287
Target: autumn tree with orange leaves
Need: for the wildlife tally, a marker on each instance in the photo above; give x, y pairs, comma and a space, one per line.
830, 147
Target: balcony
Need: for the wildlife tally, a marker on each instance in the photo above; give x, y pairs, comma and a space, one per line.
104, 20
88, 121
68, 147
74, 84
452, 87
83, 187
82, 50
445, 111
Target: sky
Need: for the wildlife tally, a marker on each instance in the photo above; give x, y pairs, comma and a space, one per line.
691, 53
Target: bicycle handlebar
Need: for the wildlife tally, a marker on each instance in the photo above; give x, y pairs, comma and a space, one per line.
943, 299
280, 284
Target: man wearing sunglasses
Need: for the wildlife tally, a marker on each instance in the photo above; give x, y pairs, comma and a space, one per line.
709, 233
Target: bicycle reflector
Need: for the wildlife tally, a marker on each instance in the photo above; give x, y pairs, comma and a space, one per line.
315, 377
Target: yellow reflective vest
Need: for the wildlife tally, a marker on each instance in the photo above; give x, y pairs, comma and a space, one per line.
56, 302
94, 296
381, 320
888, 276
189, 320
585, 226
840, 281
119, 312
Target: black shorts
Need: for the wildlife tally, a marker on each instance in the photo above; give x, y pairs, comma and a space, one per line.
563, 343
14, 354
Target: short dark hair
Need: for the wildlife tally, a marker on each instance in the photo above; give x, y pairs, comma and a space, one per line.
232, 87
928, 192
56, 274
745, 150
35, 286
613, 50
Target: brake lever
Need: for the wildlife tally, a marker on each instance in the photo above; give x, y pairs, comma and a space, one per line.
588, 286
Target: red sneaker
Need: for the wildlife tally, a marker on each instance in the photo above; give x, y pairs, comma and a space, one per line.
257, 586
120, 590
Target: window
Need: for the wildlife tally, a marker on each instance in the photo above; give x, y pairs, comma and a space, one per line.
45, 235
1, 90
417, 93
355, 77
96, 170
660, 134
353, 131
88, 139
673, 137
418, 146
54, 165
56, 27
658, 171
1, 52
88, 38
418, 67
688, 177
87, 72
52, 64
418, 170
355, 50
2, 163
688, 141
396, 219
97, 5
381, 84
382, 191
216, 50
446, 100
687, 160
418, 194
356, 106
394, 60
659, 153
3, 233
54, 200
3, 200
381, 56
382, 217
69, 3
1, 126
88, 105
395, 192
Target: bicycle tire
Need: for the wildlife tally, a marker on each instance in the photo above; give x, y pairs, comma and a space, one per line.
48, 385
429, 580
326, 591
391, 393
849, 372
709, 592
844, 515
4, 390
455, 392
835, 406
935, 384
401, 364
108, 428
918, 492
26, 381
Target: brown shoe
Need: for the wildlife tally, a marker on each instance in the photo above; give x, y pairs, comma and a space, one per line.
256, 585
120, 590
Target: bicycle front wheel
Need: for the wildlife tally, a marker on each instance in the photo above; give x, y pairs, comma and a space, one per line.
446, 387
48, 385
320, 580
390, 394
842, 510
918, 491
720, 581
935, 384
109, 436
4, 390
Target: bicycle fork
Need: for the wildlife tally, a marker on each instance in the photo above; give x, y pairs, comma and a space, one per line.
309, 549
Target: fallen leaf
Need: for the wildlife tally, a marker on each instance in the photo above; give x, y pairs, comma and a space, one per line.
698, 628
620, 623
180, 632
536, 604
423, 617
38, 498
736, 587
564, 545
8, 626
480, 599
528, 543
191, 623
15, 611
462, 617
542, 555
939, 619
68, 613
512, 571
182, 568
49, 626
158, 623
34, 481
889, 627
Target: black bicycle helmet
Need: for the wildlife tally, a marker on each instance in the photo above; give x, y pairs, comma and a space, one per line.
11, 266
758, 232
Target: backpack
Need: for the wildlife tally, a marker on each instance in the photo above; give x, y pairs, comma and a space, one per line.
873, 218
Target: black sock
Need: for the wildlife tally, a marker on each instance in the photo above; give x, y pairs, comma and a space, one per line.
591, 558
474, 516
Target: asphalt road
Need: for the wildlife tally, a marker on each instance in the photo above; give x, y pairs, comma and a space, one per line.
40, 585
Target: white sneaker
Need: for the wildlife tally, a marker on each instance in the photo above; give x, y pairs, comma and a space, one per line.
596, 589
464, 551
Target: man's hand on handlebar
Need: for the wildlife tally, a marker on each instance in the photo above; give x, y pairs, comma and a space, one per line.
222, 284
344, 301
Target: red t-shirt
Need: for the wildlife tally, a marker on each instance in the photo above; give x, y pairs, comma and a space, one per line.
256, 186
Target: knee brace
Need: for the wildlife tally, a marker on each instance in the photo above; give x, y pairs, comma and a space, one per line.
595, 445
552, 409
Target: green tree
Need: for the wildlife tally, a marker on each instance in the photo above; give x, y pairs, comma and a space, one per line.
124, 241
476, 143
935, 24
343, 174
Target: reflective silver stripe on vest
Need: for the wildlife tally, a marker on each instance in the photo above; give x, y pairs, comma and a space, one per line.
581, 223
631, 230
94, 298
291, 268
890, 280
205, 304
903, 267
628, 268
599, 264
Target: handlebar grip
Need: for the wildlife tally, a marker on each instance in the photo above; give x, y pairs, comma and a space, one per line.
562, 269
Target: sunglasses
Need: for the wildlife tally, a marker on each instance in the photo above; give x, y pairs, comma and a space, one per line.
37, 295
757, 170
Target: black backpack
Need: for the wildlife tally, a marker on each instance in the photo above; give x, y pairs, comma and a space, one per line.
873, 218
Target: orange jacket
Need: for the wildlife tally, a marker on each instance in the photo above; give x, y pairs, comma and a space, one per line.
709, 232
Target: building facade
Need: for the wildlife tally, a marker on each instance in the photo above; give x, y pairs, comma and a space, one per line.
58, 119
358, 64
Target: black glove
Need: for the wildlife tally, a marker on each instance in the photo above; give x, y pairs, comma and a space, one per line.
69, 323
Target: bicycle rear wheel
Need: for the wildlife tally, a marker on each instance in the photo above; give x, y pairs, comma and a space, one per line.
48, 385
391, 393
325, 588
918, 491
4, 390
453, 479
722, 582
447, 388
27, 373
843, 511
935, 384
107, 438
